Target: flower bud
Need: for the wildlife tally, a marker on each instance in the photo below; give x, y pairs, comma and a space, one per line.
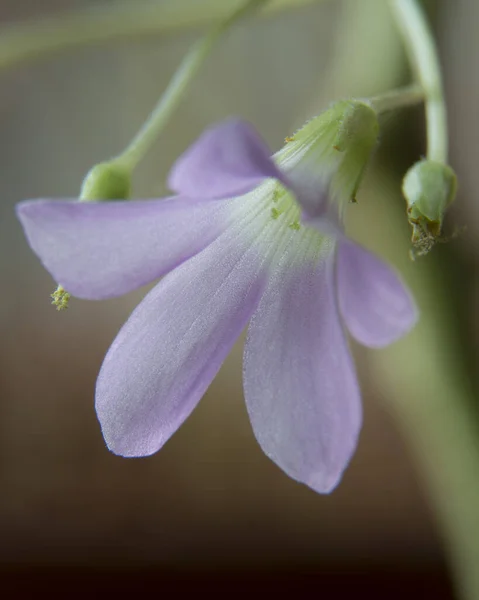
429, 188
106, 181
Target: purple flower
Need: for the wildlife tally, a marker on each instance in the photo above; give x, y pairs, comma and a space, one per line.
235, 248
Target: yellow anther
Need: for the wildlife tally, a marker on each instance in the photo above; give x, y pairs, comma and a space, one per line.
295, 226
279, 193
289, 139
275, 213
60, 298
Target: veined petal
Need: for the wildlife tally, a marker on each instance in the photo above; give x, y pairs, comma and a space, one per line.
376, 306
300, 385
168, 352
99, 250
227, 160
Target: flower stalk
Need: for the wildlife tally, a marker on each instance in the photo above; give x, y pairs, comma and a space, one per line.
423, 57
178, 85
112, 180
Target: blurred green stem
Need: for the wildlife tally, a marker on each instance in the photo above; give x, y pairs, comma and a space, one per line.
433, 399
423, 56
399, 98
178, 85
441, 428
117, 19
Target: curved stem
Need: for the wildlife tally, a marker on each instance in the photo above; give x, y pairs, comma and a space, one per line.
424, 59
114, 20
188, 68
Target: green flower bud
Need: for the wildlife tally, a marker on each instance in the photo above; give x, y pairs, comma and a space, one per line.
429, 188
106, 181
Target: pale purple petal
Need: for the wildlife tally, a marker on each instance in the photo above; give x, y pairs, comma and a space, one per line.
100, 250
300, 385
376, 306
227, 160
174, 343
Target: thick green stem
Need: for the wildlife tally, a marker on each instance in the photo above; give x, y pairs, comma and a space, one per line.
442, 431
117, 19
423, 56
435, 407
398, 98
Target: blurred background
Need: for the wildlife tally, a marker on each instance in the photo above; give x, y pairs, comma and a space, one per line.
210, 512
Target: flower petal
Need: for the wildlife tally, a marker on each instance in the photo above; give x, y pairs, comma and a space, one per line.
168, 352
376, 306
300, 385
227, 160
100, 250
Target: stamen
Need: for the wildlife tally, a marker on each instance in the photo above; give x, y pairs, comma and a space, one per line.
60, 298
279, 192
275, 213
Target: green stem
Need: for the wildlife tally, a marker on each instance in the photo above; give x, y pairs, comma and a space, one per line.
117, 19
423, 56
436, 408
187, 70
442, 432
398, 98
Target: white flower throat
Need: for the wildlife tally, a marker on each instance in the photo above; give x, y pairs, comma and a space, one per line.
285, 207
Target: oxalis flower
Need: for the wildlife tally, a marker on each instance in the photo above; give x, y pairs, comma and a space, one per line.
246, 239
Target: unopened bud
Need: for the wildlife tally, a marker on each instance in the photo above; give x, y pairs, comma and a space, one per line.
106, 181
429, 188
